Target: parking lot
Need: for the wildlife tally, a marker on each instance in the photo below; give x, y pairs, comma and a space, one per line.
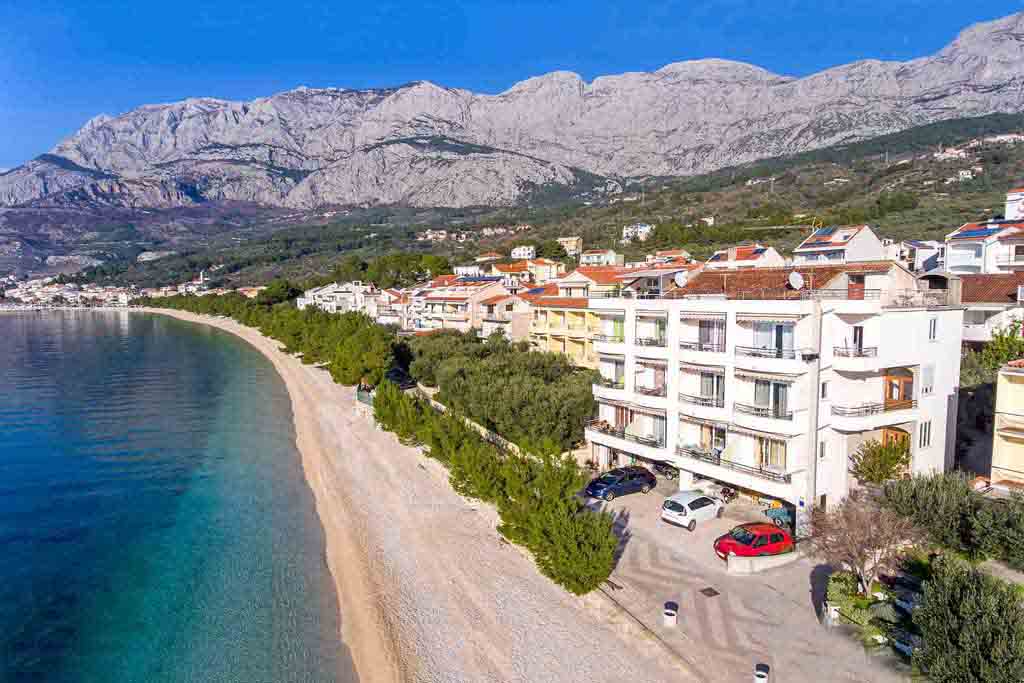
729, 623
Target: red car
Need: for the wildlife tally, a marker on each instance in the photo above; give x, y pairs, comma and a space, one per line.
754, 538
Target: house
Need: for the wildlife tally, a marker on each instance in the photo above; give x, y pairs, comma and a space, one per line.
468, 271
767, 380
573, 246
514, 275
637, 231
456, 303
992, 302
668, 255
563, 324
506, 314
845, 244
1008, 430
600, 257
524, 251
391, 308
919, 256
488, 257
592, 281
337, 297
544, 270
994, 246
746, 256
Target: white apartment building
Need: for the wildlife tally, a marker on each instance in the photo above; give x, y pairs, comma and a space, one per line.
746, 256
572, 245
840, 245
995, 246
770, 389
600, 257
524, 251
919, 256
468, 271
337, 297
637, 231
992, 302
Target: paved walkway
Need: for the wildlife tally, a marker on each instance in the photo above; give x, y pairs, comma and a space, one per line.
727, 623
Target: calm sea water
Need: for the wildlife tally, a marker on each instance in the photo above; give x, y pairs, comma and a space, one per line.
154, 520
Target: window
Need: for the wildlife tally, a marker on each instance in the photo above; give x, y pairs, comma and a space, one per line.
771, 453
925, 435
933, 329
761, 542
821, 450
824, 390
927, 379
776, 538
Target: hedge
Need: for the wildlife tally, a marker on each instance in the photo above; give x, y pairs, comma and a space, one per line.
535, 496
959, 518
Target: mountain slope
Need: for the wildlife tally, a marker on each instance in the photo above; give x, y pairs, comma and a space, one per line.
425, 145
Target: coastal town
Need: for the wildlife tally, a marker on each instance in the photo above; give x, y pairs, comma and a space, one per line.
762, 395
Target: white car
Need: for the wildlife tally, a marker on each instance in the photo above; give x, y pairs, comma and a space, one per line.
688, 508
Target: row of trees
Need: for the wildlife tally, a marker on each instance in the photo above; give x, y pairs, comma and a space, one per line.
535, 495
538, 400
352, 346
399, 269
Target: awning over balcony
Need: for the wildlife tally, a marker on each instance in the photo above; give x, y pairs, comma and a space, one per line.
611, 356
697, 367
652, 314
782, 377
701, 421
701, 315
767, 317
654, 362
765, 435
636, 407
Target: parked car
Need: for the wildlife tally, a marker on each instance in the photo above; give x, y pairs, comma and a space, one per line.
754, 539
620, 481
687, 508
667, 471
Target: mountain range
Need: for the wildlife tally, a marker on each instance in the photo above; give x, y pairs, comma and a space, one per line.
423, 144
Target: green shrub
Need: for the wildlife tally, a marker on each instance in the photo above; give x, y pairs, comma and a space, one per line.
875, 462
972, 627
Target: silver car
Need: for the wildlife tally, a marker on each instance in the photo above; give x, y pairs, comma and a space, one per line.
687, 508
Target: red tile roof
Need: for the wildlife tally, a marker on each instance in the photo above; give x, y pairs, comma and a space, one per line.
560, 302
1019, 363
602, 275
497, 299
597, 251
1016, 189
517, 267
447, 298
442, 280
771, 283
996, 288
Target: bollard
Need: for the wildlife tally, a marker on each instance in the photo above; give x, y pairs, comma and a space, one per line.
761, 673
669, 616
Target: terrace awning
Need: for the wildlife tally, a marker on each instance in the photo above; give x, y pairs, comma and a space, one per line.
695, 367
767, 317
701, 421
774, 436
769, 376
701, 315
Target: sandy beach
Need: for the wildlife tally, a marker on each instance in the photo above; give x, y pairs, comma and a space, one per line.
428, 590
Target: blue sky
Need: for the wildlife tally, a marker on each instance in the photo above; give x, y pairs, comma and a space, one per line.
63, 62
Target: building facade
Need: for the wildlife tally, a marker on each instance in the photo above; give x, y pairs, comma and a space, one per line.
770, 390
1008, 432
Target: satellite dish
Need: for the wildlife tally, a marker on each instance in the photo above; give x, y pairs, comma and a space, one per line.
796, 280
680, 278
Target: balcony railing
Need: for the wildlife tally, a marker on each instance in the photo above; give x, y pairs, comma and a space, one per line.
919, 298
872, 408
764, 411
611, 383
1010, 260
605, 428
767, 352
707, 401
610, 338
651, 341
715, 459
855, 351
604, 295
702, 346
653, 391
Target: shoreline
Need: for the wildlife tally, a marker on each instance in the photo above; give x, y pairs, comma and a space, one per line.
428, 589
373, 654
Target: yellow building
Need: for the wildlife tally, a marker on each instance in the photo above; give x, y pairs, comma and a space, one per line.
1008, 435
564, 325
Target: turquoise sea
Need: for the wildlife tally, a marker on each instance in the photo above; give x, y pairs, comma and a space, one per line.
155, 524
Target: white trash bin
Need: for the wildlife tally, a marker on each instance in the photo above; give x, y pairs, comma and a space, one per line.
670, 615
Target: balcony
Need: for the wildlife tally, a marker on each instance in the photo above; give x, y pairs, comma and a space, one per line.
855, 352
705, 401
661, 391
652, 341
609, 338
707, 347
611, 383
873, 408
870, 416
767, 352
603, 427
771, 412
718, 461
920, 298
1009, 261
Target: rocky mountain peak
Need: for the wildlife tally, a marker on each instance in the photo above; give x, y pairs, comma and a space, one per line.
424, 144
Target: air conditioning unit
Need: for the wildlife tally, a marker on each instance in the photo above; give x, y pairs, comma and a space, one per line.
1020, 293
